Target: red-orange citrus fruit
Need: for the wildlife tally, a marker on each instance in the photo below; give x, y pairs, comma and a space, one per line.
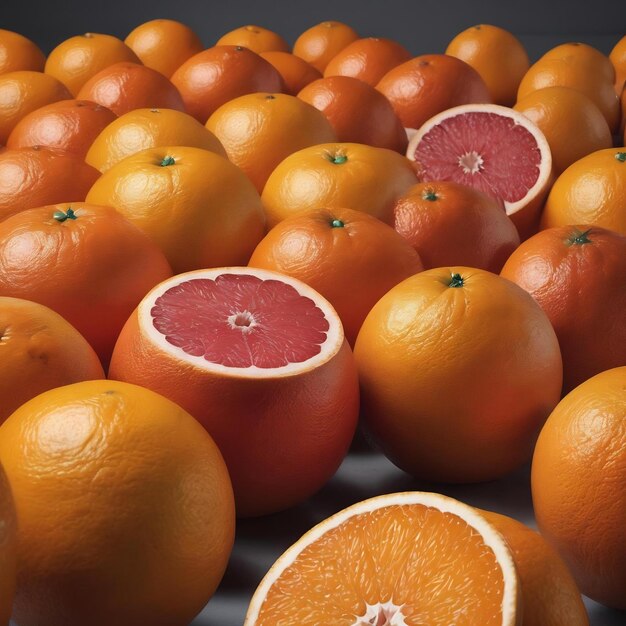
255, 38
18, 53
320, 43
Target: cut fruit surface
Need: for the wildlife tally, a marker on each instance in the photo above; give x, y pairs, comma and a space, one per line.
490, 148
405, 559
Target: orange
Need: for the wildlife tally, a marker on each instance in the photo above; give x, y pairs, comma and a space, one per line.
69, 125
295, 72
255, 38
618, 59
213, 77
337, 175
549, 592
575, 274
349, 257
85, 262
590, 191
32, 177
23, 92
367, 59
572, 123
124, 503
442, 357
320, 43
202, 210
429, 84
163, 45
149, 128
585, 57
579, 461
259, 130
75, 60
18, 53
358, 112
7, 549
124, 87
497, 55
403, 558
40, 351
261, 361
450, 224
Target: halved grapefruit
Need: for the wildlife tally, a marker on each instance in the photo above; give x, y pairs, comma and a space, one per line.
260, 359
403, 559
493, 149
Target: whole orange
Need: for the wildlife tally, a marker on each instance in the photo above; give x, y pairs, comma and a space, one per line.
429, 84
8, 544
451, 224
202, 210
295, 72
124, 87
573, 125
18, 53
320, 43
125, 508
337, 175
618, 59
85, 262
33, 177
590, 191
69, 125
255, 38
75, 60
163, 45
40, 351
259, 130
575, 274
351, 258
578, 468
149, 128
497, 55
367, 59
23, 92
213, 77
358, 112
459, 369
586, 58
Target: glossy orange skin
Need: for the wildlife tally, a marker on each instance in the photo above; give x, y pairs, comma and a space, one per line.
18, 53
352, 265
69, 125
92, 270
338, 175
75, 60
450, 224
33, 177
295, 72
255, 38
320, 43
573, 125
358, 112
550, 596
259, 130
202, 210
618, 59
590, 191
367, 59
149, 128
40, 351
274, 461
457, 381
8, 549
163, 45
216, 75
585, 57
143, 517
429, 84
24, 92
561, 270
124, 87
579, 460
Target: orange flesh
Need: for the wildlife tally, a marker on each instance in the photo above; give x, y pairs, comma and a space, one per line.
433, 565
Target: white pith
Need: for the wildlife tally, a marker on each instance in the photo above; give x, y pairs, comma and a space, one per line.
491, 537
545, 164
381, 614
471, 162
334, 335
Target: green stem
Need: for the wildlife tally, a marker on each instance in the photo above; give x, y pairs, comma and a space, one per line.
579, 238
456, 281
337, 224
168, 160
621, 157
61, 216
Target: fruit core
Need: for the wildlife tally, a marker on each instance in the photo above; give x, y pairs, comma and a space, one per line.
387, 614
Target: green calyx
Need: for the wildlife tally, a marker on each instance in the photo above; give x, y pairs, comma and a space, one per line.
621, 157
430, 195
456, 281
337, 224
579, 238
338, 159
168, 160
61, 216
